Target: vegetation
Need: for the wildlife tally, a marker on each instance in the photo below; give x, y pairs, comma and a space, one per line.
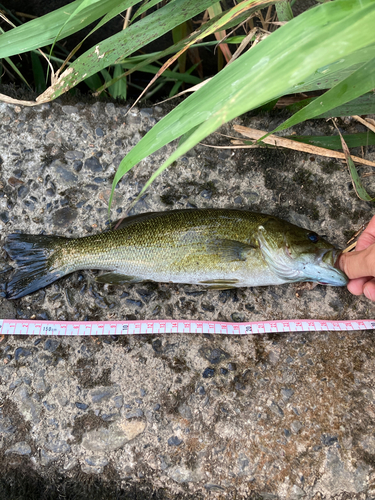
328, 47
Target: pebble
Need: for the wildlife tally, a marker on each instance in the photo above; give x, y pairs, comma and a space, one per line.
57, 446
119, 401
68, 110
81, 406
77, 165
4, 217
96, 461
102, 393
134, 414
64, 175
214, 355
238, 317
296, 426
22, 191
328, 440
93, 164
51, 345
21, 352
14, 181
136, 303
275, 408
20, 448
174, 441
113, 437
287, 393
208, 373
74, 155
64, 217
28, 408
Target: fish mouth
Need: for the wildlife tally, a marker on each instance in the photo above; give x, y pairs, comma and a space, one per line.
328, 261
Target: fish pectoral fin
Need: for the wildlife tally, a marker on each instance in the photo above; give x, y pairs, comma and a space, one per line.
230, 250
117, 279
219, 284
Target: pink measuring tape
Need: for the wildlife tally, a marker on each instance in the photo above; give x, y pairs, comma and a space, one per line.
145, 327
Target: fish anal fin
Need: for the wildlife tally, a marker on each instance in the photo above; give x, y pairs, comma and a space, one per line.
117, 279
219, 284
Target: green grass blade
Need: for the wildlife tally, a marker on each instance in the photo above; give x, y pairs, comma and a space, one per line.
114, 49
358, 186
329, 75
363, 105
38, 72
357, 84
284, 11
93, 82
118, 89
44, 30
334, 141
288, 56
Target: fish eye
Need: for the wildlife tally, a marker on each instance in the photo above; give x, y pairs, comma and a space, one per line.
314, 238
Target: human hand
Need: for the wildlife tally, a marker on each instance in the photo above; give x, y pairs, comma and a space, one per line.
359, 265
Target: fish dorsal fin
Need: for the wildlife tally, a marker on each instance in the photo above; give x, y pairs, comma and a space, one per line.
132, 219
117, 278
230, 250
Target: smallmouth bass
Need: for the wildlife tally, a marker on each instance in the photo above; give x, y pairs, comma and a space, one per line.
216, 248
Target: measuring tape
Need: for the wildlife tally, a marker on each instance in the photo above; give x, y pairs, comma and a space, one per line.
144, 327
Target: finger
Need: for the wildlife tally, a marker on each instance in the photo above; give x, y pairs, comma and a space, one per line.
369, 289
358, 264
356, 286
367, 238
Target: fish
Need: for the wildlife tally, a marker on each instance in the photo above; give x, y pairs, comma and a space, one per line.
216, 248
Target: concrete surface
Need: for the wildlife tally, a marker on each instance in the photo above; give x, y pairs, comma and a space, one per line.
286, 416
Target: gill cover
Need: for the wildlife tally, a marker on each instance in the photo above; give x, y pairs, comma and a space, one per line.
296, 255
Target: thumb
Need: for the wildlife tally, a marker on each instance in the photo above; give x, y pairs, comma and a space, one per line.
358, 264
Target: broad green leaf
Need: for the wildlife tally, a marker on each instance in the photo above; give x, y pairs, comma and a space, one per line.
286, 57
363, 105
334, 141
144, 7
329, 75
43, 31
357, 84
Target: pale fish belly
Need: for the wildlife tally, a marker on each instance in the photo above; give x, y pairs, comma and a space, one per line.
164, 267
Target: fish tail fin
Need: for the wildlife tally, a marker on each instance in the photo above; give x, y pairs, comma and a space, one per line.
37, 262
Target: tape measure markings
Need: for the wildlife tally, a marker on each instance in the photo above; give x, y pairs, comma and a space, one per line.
144, 327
